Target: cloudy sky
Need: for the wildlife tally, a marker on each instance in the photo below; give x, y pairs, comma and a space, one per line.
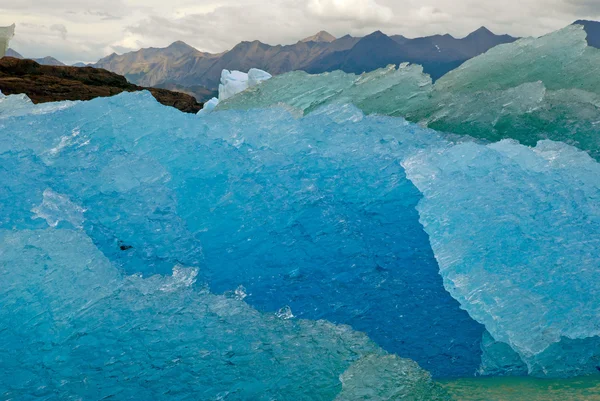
86, 30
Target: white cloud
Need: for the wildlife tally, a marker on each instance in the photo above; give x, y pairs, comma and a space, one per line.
93, 29
358, 11
429, 14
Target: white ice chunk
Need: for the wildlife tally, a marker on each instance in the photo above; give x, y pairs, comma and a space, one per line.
209, 106
56, 208
256, 76
234, 82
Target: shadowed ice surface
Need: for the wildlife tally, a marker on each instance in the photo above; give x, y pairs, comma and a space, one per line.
313, 214
73, 327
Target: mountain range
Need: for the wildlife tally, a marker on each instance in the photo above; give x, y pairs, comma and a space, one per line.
180, 65
183, 68
42, 61
437, 54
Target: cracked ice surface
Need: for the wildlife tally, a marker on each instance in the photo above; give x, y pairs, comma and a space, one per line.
515, 231
529, 90
313, 214
73, 327
310, 218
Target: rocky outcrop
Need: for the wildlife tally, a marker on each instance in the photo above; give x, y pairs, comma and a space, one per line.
43, 83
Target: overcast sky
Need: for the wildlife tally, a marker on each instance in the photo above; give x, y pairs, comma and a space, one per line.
86, 30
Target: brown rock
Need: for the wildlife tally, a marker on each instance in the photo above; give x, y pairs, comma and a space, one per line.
44, 83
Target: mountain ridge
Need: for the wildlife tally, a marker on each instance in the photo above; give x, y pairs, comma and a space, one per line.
321, 36
183, 65
42, 61
438, 54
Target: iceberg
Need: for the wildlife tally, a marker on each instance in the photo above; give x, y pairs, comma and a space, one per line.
234, 82
67, 310
209, 106
256, 76
389, 91
305, 241
331, 216
376, 378
529, 90
515, 233
6, 34
21, 105
315, 214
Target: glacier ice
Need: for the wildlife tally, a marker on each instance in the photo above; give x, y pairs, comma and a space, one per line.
376, 377
390, 91
6, 34
56, 208
529, 90
343, 215
515, 233
234, 82
73, 327
499, 359
21, 105
315, 214
209, 106
256, 76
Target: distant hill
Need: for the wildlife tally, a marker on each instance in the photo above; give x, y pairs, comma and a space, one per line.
11, 53
180, 65
186, 66
369, 53
42, 61
83, 65
48, 61
320, 38
437, 54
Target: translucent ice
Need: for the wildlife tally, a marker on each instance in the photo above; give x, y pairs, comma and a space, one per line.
376, 378
56, 208
305, 92
315, 214
515, 231
532, 89
234, 82
209, 106
73, 327
256, 76
314, 218
19, 105
499, 359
